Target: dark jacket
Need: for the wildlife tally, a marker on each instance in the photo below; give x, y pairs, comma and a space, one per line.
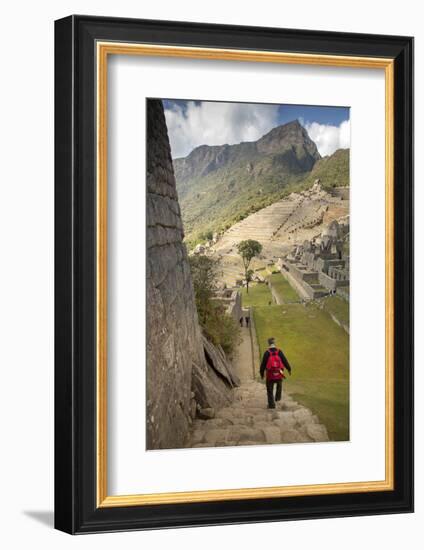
265, 361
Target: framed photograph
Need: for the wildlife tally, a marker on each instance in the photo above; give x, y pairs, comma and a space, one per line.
234, 274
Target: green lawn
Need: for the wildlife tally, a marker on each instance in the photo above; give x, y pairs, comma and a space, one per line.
338, 307
282, 287
318, 351
270, 268
259, 295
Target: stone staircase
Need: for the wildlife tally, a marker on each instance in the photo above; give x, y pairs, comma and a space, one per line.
247, 421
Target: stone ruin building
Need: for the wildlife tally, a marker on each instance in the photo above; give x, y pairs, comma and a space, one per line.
230, 298
320, 267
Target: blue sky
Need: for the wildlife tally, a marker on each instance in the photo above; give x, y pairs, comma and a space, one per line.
322, 115
192, 123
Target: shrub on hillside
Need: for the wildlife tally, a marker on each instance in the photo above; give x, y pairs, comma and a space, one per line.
219, 327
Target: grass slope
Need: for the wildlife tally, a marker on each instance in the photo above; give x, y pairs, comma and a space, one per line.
318, 350
333, 171
259, 295
338, 307
281, 286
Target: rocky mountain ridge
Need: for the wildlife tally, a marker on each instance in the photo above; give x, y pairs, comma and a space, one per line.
289, 142
219, 186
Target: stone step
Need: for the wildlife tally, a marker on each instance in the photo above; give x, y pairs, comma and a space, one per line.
248, 421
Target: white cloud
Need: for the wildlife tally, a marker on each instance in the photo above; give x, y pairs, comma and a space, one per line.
215, 123
329, 138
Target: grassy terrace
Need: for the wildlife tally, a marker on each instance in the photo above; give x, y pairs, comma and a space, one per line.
318, 350
338, 307
259, 295
282, 287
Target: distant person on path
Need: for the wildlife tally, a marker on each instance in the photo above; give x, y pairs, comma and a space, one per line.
241, 321
247, 321
274, 362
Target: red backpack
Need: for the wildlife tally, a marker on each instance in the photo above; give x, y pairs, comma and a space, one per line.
274, 366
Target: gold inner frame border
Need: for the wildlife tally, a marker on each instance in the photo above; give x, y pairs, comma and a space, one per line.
103, 50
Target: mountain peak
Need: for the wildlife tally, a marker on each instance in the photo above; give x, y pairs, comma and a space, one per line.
287, 147
291, 135
294, 123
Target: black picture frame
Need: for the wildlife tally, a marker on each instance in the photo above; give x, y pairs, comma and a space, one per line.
76, 510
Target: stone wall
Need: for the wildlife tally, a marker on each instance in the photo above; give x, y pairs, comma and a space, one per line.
327, 281
234, 305
306, 283
301, 273
231, 300
180, 379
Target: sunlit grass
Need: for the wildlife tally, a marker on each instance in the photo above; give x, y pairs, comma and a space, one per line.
318, 351
286, 293
338, 307
258, 295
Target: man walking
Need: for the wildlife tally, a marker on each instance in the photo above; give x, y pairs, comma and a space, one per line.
274, 362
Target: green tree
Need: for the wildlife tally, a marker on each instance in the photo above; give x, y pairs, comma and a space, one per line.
249, 276
204, 271
248, 250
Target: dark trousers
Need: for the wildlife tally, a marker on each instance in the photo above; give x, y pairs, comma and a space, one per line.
270, 392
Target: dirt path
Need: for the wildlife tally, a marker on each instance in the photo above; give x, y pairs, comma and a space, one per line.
248, 421
243, 360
